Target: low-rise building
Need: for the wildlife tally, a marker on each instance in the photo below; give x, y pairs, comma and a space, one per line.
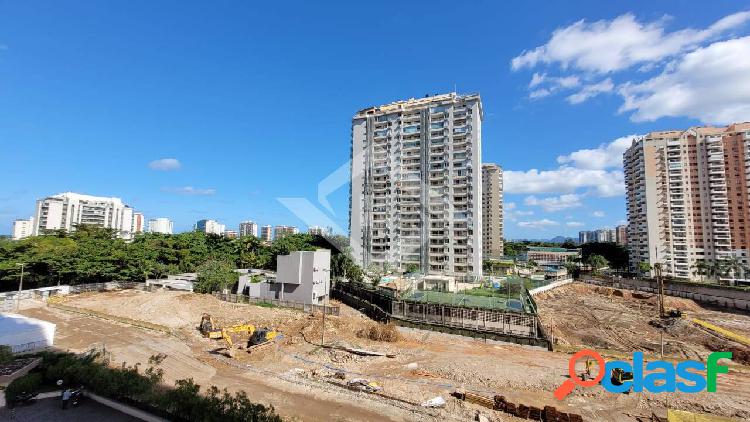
230, 234
302, 276
547, 255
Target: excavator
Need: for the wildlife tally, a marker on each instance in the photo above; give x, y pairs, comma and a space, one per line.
256, 337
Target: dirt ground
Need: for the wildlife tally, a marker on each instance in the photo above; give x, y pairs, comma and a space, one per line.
297, 376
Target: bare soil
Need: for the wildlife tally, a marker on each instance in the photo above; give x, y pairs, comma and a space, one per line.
301, 379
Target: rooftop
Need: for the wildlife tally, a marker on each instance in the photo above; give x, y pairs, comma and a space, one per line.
550, 249
413, 103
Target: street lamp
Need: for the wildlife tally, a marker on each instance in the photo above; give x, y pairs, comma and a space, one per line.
20, 286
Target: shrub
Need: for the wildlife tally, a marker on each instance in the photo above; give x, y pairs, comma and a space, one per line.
380, 332
6, 355
28, 383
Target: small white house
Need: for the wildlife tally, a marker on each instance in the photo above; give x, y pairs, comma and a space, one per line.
301, 276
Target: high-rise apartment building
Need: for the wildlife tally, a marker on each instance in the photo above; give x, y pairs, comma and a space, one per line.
67, 210
248, 228
266, 233
139, 223
586, 236
687, 197
23, 229
210, 227
492, 211
160, 225
621, 236
416, 186
281, 231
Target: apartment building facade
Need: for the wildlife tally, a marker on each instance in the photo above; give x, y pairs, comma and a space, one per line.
139, 223
248, 228
210, 227
22, 229
492, 211
160, 225
281, 231
65, 211
416, 187
266, 233
621, 234
687, 197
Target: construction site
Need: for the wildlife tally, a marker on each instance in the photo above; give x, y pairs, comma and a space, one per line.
348, 367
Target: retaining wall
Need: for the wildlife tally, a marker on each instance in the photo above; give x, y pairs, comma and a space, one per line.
727, 297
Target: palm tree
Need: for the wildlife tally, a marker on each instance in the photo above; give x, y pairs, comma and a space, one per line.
700, 268
733, 267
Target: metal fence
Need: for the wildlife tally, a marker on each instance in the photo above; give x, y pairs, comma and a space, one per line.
306, 307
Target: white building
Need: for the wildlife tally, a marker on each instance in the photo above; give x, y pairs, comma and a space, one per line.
67, 210
160, 225
210, 227
23, 228
416, 187
302, 276
248, 228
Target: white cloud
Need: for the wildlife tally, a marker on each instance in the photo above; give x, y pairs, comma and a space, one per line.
598, 214
555, 203
603, 157
564, 180
512, 213
574, 224
711, 84
606, 46
165, 164
591, 90
551, 84
538, 224
189, 190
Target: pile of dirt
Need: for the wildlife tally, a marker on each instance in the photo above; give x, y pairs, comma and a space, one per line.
380, 332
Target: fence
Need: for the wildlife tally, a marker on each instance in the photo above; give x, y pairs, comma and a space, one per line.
306, 307
112, 285
517, 327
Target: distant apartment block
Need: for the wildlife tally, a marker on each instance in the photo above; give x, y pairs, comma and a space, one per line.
416, 185
23, 229
139, 223
266, 233
281, 231
210, 227
248, 228
231, 234
600, 235
65, 211
492, 211
316, 230
621, 235
160, 225
687, 197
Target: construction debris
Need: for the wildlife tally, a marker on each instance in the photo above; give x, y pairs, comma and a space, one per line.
434, 402
364, 385
522, 411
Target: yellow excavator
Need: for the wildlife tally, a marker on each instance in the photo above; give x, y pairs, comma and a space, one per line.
256, 337
210, 330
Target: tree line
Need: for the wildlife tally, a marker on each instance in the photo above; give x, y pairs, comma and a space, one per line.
94, 255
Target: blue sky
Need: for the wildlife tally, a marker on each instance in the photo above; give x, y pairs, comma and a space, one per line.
255, 101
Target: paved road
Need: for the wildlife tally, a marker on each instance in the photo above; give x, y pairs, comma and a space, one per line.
49, 410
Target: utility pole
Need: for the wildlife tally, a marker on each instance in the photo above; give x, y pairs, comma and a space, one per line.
659, 283
323, 329
20, 287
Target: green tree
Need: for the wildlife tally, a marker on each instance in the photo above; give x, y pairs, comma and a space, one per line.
644, 267
215, 275
597, 262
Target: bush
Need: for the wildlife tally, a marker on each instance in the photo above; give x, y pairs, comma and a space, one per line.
28, 383
6, 355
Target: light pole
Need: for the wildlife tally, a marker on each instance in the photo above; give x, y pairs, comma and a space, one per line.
20, 286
